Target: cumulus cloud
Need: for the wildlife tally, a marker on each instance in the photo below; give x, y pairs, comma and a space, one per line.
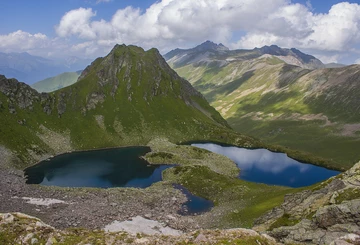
357, 61
23, 41
338, 30
36, 44
77, 22
168, 24
173, 22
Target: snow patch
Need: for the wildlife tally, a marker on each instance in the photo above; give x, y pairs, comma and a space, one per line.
142, 225
42, 201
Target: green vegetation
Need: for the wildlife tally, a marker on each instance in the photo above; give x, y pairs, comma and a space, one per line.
117, 102
284, 220
241, 202
285, 105
164, 152
348, 194
296, 134
55, 83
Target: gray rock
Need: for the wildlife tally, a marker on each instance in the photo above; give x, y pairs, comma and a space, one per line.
34, 241
8, 218
322, 219
201, 238
347, 212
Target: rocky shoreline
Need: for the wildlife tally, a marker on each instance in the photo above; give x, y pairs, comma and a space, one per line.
90, 207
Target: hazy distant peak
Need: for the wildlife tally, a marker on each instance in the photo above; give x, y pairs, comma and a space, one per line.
208, 45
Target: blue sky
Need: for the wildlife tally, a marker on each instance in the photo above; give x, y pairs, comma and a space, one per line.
43, 15
89, 28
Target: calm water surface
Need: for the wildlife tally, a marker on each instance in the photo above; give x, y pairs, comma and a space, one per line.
194, 204
120, 167
264, 166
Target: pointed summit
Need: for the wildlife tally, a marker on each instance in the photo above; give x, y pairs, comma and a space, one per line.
208, 45
129, 97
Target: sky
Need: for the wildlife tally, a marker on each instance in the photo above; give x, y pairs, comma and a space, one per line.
327, 29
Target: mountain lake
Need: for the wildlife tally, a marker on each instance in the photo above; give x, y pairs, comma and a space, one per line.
120, 167
264, 166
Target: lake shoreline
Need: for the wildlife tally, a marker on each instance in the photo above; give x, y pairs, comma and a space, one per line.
91, 208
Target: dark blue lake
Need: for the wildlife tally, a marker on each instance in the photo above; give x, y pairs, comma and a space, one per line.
194, 204
264, 166
120, 167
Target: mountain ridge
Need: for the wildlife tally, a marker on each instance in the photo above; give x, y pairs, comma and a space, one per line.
127, 97
209, 52
310, 110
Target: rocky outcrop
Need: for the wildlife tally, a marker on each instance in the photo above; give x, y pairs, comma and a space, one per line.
18, 228
22, 96
322, 215
19, 94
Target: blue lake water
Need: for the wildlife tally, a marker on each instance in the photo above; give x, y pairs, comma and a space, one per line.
264, 166
120, 167
194, 204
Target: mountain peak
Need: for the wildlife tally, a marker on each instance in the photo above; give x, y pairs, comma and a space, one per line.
209, 45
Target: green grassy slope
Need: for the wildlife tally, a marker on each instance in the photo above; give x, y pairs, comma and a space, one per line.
314, 111
126, 98
54, 83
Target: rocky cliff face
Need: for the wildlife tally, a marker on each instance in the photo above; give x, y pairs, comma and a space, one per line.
320, 215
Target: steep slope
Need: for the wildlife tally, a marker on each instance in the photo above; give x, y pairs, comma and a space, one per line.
55, 83
29, 68
315, 111
127, 98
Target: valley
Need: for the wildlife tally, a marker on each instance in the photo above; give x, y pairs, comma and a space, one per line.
132, 97
262, 93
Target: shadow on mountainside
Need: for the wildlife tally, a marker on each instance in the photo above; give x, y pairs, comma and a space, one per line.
229, 87
289, 74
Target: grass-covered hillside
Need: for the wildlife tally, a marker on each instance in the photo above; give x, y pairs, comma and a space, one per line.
57, 82
126, 98
315, 111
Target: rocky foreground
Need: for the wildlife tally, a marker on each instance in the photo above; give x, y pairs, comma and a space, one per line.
319, 215
18, 228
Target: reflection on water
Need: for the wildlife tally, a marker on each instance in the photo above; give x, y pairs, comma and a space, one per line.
264, 166
121, 167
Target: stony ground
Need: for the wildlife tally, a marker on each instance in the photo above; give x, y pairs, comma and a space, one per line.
94, 208
89, 207
17, 228
319, 215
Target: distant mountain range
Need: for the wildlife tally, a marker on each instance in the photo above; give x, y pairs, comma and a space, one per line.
280, 96
219, 55
30, 69
57, 82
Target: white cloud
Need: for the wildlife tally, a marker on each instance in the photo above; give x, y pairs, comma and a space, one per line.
167, 24
36, 44
77, 22
23, 41
172, 22
339, 30
357, 61
327, 58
